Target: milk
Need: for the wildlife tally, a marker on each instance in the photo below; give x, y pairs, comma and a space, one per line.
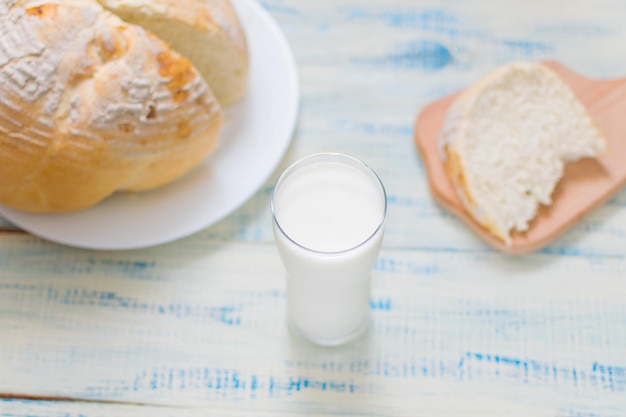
328, 212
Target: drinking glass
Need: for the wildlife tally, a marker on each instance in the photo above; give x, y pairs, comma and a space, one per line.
328, 214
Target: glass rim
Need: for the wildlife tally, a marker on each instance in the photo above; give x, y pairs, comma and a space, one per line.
336, 155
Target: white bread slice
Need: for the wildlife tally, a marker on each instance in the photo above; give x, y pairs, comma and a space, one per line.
506, 140
207, 32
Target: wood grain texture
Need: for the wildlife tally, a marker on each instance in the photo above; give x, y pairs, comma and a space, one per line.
193, 327
197, 327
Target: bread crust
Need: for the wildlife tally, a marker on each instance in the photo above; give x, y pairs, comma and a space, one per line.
488, 198
207, 32
90, 105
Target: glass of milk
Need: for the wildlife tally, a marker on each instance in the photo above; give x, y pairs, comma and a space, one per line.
328, 214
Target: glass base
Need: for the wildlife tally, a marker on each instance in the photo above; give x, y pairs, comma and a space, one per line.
335, 341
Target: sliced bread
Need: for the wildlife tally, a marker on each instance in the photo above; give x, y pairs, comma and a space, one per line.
506, 140
207, 32
90, 105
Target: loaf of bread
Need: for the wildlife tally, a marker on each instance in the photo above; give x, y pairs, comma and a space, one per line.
91, 104
506, 140
207, 32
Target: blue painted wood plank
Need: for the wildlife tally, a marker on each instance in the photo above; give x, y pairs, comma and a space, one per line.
197, 327
189, 324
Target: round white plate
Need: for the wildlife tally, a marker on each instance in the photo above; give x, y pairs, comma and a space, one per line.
254, 138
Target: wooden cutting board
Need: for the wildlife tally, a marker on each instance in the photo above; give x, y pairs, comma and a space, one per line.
585, 185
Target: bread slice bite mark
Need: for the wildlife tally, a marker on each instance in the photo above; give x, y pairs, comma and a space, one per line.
510, 135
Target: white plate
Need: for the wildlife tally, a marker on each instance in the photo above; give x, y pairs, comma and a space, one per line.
255, 136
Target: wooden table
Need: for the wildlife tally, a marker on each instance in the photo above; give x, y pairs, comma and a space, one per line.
197, 327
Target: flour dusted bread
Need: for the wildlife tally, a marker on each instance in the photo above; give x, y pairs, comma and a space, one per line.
506, 140
207, 32
90, 105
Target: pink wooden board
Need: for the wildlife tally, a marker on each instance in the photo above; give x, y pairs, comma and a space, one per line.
586, 184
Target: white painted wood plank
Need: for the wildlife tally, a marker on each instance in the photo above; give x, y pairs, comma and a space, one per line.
83, 409
33, 408
197, 327
189, 324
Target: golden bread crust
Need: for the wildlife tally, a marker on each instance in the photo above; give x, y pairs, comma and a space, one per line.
92, 105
